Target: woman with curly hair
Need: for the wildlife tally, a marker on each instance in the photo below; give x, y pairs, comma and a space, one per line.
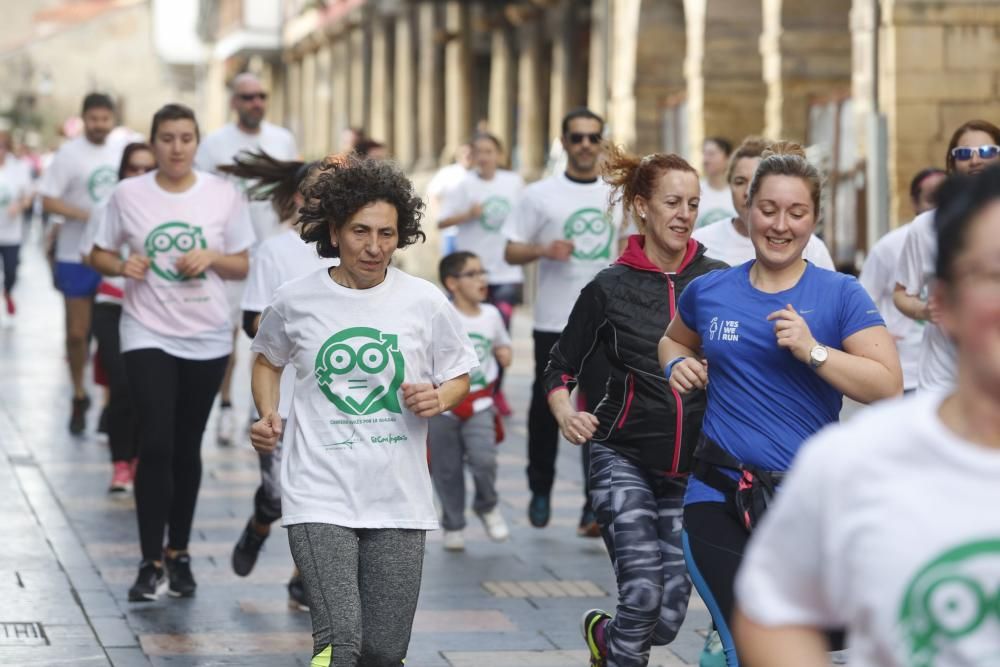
376, 353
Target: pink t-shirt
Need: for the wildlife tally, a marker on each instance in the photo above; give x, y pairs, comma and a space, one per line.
164, 226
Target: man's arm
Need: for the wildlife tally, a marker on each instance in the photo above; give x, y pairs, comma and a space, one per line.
59, 207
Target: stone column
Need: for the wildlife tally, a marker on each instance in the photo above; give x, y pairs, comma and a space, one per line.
309, 143
457, 76
531, 87
380, 120
563, 77
404, 145
360, 68
502, 85
430, 125
340, 87
293, 97
597, 83
322, 106
807, 52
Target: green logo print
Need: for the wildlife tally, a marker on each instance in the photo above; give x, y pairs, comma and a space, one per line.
484, 350
101, 182
167, 243
360, 370
5, 196
591, 232
951, 610
495, 211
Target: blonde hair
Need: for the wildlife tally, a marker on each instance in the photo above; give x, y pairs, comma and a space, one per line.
787, 158
752, 147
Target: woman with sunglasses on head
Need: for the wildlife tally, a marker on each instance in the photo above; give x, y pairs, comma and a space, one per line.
777, 343
973, 147
858, 537
641, 433
186, 231
123, 436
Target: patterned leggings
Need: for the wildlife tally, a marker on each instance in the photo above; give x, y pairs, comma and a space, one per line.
640, 516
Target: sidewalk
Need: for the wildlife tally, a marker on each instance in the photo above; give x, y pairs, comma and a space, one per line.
71, 550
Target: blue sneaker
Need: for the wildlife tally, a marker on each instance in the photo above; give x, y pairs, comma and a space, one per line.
539, 511
712, 654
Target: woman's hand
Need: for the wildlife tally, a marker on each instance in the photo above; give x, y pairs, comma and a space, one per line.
689, 375
422, 399
135, 267
577, 427
793, 333
265, 433
195, 262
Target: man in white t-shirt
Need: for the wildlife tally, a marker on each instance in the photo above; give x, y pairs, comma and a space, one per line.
440, 189
878, 277
249, 133
716, 197
563, 223
83, 173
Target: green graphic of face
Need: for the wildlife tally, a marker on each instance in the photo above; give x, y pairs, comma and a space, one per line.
360, 370
167, 243
101, 182
951, 610
591, 231
5, 196
484, 350
495, 211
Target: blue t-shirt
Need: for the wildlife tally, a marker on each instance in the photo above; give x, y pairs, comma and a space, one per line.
762, 401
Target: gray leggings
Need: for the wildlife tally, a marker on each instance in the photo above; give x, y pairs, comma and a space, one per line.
362, 586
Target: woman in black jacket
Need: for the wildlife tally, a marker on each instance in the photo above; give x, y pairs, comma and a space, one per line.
642, 433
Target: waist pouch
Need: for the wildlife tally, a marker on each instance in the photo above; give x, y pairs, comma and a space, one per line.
749, 495
464, 411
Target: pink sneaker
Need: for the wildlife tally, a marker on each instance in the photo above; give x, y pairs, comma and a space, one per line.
121, 478
11, 309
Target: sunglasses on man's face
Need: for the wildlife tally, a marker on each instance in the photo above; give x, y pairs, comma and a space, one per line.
578, 137
250, 97
986, 152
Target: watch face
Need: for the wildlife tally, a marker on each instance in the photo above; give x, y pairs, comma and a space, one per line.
818, 354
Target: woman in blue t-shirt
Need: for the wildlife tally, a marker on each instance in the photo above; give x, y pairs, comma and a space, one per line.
782, 342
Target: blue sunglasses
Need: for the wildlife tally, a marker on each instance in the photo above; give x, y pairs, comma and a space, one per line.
986, 152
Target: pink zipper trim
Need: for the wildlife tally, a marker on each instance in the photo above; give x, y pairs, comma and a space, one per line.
628, 400
679, 426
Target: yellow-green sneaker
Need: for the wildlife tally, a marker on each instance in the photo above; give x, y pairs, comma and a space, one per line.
592, 625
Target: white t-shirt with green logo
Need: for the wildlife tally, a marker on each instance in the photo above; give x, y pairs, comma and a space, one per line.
354, 455
276, 261
887, 524
220, 147
15, 183
82, 174
715, 205
498, 197
487, 332
558, 208
185, 317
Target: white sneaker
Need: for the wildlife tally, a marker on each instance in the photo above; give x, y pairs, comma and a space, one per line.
495, 526
225, 427
454, 540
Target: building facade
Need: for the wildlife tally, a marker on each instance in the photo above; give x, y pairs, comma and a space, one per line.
875, 86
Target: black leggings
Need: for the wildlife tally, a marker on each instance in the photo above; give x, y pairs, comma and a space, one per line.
123, 434
172, 398
9, 256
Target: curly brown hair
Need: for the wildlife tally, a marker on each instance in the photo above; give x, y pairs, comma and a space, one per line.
344, 186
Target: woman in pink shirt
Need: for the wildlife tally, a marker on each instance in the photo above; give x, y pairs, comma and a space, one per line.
187, 232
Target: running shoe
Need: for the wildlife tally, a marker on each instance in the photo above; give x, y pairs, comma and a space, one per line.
11, 308
454, 540
247, 549
78, 419
494, 524
182, 584
121, 477
500, 401
225, 427
297, 594
712, 654
588, 525
592, 625
539, 511
148, 584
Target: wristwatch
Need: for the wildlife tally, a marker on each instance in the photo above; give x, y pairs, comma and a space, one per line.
818, 355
